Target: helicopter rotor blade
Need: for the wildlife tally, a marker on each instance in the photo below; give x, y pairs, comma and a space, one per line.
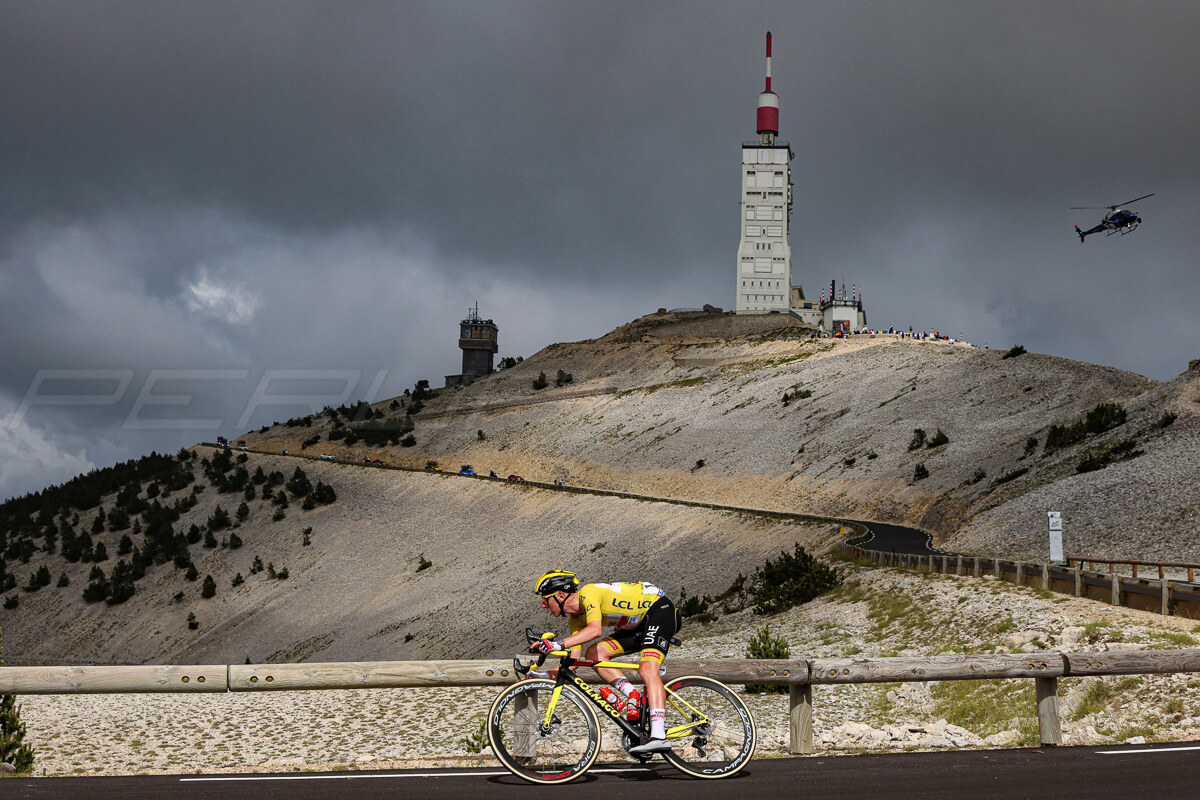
1090, 208
1134, 200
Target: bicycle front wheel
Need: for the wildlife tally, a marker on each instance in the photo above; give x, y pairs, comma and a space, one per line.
709, 727
531, 749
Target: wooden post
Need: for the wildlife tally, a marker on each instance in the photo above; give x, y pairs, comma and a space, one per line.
1134, 570
996, 567
1116, 589
958, 567
975, 569
1049, 726
1166, 596
1078, 582
1020, 572
526, 719
1190, 575
1046, 577
800, 718
945, 565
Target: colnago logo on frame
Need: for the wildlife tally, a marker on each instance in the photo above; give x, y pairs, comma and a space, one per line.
170, 399
595, 695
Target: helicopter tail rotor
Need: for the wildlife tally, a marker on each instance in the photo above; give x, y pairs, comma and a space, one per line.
1081, 234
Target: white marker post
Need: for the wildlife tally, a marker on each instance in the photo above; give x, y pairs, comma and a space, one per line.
1056, 549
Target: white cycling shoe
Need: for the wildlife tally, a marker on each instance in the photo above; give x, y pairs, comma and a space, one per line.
650, 747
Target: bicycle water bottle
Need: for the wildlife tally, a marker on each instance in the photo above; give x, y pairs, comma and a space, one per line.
633, 707
613, 697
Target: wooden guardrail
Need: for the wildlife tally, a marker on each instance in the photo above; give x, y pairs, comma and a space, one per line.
799, 675
1162, 595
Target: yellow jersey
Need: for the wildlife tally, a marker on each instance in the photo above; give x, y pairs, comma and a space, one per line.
616, 605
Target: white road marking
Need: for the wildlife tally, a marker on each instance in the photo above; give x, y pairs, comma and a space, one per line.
1155, 750
352, 776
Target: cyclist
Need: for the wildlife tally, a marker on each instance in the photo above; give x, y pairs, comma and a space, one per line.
645, 620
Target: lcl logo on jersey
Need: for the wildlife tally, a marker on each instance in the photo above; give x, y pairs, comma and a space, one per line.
626, 605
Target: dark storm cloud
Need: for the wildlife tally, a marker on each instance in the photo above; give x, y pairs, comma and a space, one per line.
266, 186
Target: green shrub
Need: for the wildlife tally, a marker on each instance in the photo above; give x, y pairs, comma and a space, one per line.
938, 440
209, 588
96, 590
475, 742
1104, 417
13, 749
540, 382
918, 440
219, 519
299, 485
1121, 451
1016, 350
1165, 420
920, 473
799, 394
790, 580
765, 645
1012, 475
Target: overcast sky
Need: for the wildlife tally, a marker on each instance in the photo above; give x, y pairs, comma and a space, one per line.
204, 205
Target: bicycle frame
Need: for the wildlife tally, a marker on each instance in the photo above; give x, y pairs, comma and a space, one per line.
566, 667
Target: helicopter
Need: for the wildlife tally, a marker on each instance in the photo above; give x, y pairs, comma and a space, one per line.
1117, 220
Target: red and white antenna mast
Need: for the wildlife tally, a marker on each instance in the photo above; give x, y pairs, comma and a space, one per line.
768, 106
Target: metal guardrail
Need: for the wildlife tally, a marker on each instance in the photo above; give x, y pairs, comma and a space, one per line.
799, 675
1112, 563
1162, 595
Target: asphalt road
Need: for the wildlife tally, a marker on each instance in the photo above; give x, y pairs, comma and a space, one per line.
1068, 772
898, 539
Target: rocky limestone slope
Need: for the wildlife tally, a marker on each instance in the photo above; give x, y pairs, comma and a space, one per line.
768, 418
747, 412
357, 592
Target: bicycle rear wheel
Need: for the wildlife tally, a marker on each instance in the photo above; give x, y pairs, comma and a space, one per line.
516, 732
710, 729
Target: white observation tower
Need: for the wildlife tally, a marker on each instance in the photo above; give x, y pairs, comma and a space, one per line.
764, 268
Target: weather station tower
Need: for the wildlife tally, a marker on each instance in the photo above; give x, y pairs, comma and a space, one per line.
478, 340
764, 268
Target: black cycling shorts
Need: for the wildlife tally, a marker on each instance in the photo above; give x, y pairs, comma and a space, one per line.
653, 634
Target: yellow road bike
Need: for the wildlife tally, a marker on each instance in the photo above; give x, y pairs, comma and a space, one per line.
546, 730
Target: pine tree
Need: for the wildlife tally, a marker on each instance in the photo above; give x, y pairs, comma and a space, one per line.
13, 749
